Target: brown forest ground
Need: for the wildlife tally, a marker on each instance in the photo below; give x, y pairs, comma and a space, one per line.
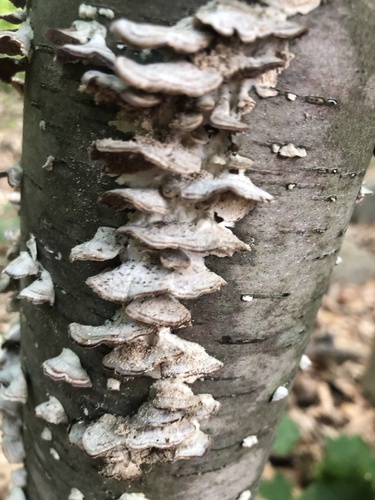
327, 399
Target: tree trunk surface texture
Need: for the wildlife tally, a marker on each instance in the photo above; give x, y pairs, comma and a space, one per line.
295, 243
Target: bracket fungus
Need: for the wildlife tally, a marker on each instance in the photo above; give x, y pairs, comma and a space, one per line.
145, 200
84, 41
120, 330
67, 366
16, 17
222, 117
19, 477
206, 236
182, 173
183, 37
291, 7
173, 356
135, 279
94, 51
162, 310
130, 156
23, 265
203, 189
13, 395
13, 449
174, 78
248, 22
17, 389
79, 33
16, 43
40, 291
52, 411
105, 245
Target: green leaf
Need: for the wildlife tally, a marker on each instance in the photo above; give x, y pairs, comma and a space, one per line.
346, 472
347, 457
278, 488
339, 490
287, 436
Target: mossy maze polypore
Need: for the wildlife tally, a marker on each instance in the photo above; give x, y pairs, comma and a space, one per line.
186, 185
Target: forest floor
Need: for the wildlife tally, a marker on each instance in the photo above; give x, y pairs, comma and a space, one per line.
327, 399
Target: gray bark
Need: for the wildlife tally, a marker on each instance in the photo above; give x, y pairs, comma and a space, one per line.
294, 245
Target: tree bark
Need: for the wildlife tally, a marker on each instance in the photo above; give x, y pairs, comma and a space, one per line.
294, 242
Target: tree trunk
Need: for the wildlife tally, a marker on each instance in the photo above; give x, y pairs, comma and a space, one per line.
294, 243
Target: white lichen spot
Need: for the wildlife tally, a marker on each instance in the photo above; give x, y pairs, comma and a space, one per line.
54, 454
42, 125
108, 13
291, 97
245, 495
49, 163
364, 191
305, 362
280, 393
249, 441
87, 11
133, 496
113, 384
247, 298
339, 260
291, 151
46, 434
75, 494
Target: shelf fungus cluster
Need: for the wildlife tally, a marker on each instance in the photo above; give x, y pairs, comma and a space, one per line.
185, 185
15, 45
13, 395
41, 289
13, 386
